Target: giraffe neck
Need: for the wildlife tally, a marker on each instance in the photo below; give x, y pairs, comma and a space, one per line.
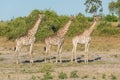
61, 33
33, 31
90, 30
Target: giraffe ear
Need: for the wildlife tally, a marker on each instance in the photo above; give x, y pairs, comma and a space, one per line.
97, 18
72, 17
41, 15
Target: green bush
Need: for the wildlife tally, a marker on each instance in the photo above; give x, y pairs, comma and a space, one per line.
110, 31
47, 76
62, 75
86, 76
111, 18
73, 74
102, 25
33, 77
93, 77
106, 29
51, 23
104, 76
113, 77
46, 68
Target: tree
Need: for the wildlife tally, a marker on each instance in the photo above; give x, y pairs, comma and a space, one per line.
92, 6
114, 7
111, 18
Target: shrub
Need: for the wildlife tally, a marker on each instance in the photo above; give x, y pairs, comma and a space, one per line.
46, 68
47, 76
33, 77
86, 76
111, 18
109, 31
2, 59
62, 75
113, 77
103, 24
104, 76
94, 77
118, 25
74, 74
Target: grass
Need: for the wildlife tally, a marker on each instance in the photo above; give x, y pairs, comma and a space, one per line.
62, 75
47, 76
99, 45
2, 59
74, 74
33, 77
93, 77
103, 76
113, 77
85, 76
46, 68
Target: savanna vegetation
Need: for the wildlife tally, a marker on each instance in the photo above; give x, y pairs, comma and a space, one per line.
52, 22
104, 57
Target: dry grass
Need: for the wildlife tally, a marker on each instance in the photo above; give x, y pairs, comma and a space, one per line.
104, 55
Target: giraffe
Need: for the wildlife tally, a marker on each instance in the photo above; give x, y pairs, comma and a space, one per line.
85, 39
57, 39
27, 40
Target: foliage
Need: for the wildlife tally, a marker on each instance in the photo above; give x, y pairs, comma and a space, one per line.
62, 75
113, 77
74, 74
109, 31
106, 29
93, 77
79, 25
16, 27
47, 76
33, 77
104, 77
46, 68
51, 23
85, 76
92, 6
114, 7
111, 18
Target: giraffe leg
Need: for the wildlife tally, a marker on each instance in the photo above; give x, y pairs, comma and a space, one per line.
86, 53
47, 51
60, 54
16, 55
50, 54
75, 53
31, 53
72, 56
18, 47
87, 56
58, 50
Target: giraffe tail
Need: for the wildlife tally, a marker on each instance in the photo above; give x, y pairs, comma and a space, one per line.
14, 48
44, 48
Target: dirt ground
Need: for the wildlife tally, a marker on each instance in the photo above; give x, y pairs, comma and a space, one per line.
104, 61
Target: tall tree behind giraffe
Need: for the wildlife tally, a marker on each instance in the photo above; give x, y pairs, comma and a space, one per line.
57, 39
83, 38
28, 39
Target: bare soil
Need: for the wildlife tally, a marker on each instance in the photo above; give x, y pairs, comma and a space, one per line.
104, 61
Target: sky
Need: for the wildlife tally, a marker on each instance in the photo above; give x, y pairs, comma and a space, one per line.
15, 8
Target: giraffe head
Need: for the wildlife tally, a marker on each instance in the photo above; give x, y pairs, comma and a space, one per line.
72, 18
41, 15
97, 18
